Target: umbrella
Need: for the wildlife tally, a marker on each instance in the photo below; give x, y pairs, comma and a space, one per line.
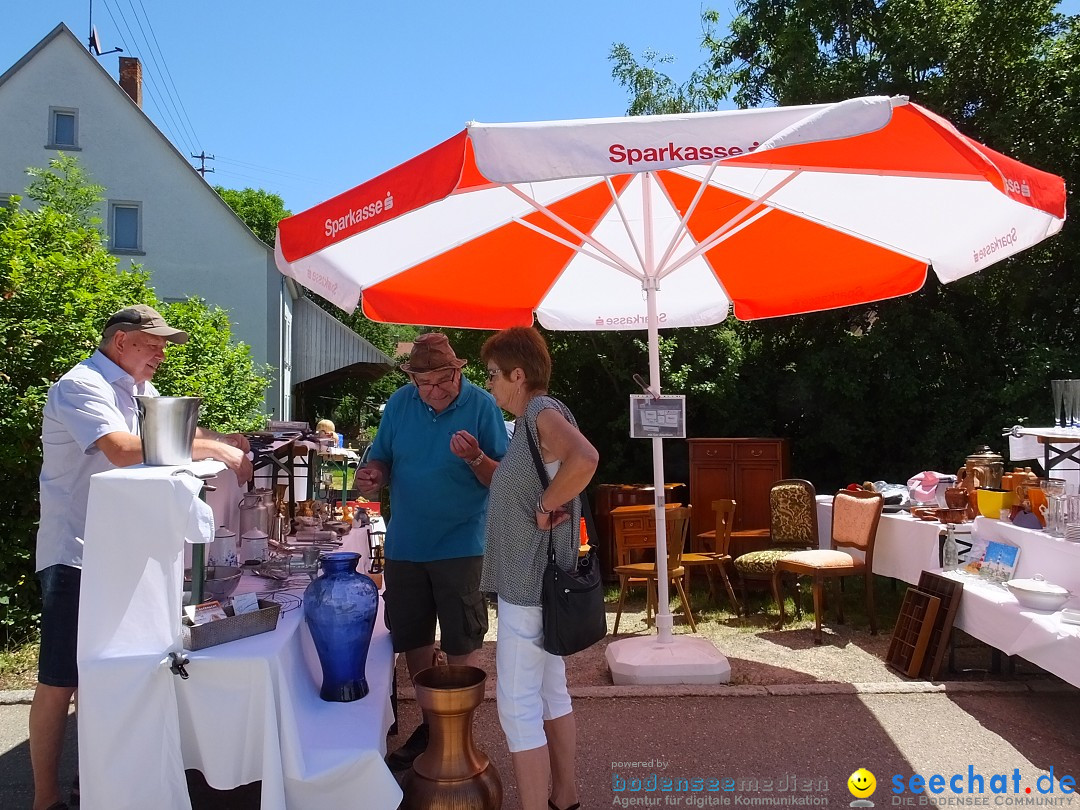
665, 221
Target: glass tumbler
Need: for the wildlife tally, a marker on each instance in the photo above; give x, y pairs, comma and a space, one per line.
1057, 392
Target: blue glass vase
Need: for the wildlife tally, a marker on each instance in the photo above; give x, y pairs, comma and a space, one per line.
340, 607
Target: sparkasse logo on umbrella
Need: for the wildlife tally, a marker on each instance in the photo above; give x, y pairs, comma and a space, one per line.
619, 153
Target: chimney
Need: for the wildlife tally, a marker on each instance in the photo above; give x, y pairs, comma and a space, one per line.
131, 78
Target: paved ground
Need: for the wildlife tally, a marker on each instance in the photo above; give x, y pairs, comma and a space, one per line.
775, 742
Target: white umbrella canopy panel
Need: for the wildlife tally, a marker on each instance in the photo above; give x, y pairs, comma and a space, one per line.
669, 221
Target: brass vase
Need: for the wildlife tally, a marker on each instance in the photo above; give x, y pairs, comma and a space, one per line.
451, 773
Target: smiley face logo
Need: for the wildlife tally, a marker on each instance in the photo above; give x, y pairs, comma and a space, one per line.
861, 783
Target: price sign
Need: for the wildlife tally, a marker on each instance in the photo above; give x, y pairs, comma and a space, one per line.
657, 417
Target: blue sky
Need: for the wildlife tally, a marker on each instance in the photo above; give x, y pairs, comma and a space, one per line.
309, 99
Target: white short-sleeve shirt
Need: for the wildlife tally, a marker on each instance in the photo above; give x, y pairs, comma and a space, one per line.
93, 399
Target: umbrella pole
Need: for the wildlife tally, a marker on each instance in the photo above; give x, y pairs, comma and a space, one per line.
663, 608
650, 284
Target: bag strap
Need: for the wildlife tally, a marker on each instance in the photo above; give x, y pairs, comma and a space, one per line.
586, 509
537, 460
544, 480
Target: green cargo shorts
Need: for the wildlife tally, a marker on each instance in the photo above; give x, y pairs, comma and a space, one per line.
419, 593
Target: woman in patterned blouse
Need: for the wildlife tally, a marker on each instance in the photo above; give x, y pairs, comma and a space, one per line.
534, 706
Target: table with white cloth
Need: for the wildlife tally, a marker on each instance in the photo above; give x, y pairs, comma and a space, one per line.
991, 614
250, 710
904, 548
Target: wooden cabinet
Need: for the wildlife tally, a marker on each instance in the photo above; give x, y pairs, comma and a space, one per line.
742, 469
607, 497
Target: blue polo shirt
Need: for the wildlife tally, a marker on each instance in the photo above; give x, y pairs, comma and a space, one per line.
438, 507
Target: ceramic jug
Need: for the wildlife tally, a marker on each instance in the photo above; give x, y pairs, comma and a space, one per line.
223, 550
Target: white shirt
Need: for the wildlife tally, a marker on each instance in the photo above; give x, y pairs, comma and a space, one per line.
93, 399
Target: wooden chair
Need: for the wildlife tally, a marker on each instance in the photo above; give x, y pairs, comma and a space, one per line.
854, 525
636, 535
792, 527
717, 553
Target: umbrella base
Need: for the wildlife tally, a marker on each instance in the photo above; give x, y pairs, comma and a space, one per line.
686, 659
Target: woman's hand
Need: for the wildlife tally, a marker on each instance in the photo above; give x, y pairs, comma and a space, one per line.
549, 520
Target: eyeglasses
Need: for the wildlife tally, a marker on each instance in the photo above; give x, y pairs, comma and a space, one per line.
492, 373
436, 383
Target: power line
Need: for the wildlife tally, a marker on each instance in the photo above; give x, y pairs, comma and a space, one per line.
174, 94
246, 165
151, 86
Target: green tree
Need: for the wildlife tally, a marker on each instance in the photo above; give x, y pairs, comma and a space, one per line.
892, 388
260, 210
58, 286
353, 405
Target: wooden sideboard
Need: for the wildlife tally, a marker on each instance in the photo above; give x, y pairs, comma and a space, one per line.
742, 469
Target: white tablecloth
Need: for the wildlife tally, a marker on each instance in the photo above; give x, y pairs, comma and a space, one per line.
990, 613
250, 710
904, 546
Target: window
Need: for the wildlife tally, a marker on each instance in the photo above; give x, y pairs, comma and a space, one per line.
125, 227
63, 128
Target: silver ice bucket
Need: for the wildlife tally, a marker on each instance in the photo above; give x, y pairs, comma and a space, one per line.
167, 428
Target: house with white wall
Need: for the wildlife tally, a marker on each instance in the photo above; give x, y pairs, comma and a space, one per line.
162, 214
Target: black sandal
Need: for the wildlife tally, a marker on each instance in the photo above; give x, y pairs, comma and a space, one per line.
554, 806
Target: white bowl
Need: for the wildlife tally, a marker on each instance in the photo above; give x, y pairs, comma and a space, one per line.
1037, 593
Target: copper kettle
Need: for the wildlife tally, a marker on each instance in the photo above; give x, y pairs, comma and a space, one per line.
981, 470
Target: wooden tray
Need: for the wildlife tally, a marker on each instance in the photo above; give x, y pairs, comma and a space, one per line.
914, 626
949, 592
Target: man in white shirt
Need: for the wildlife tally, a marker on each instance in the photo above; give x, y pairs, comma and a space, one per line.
89, 426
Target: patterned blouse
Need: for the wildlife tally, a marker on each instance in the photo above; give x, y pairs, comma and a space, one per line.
516, 549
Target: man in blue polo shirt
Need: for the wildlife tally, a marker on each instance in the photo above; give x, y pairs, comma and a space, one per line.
439, 441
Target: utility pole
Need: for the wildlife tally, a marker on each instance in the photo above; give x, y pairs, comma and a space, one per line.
202, 157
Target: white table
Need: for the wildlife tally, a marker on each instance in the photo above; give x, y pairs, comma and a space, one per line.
905, 547
250, 709
991, 614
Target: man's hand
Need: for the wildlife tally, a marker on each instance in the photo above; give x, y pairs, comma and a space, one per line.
369, 480
233, 457
464, 445
237, 440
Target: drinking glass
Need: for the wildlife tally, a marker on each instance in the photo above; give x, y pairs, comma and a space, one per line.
1057, 391
1053, 486
1072, 403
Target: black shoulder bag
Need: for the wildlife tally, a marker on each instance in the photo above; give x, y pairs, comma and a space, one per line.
572, 601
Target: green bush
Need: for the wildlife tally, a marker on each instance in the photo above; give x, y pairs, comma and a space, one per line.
58, 286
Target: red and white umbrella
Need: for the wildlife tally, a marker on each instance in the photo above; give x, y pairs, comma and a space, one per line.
774, 211
673, 220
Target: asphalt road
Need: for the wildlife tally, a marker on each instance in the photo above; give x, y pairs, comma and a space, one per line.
788, 747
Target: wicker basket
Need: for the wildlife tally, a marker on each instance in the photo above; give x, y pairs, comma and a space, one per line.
235, 627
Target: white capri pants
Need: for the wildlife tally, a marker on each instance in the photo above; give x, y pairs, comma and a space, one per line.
531, 683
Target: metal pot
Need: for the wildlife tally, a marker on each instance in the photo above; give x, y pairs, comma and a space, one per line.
256, 508
167, 428
983, 468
